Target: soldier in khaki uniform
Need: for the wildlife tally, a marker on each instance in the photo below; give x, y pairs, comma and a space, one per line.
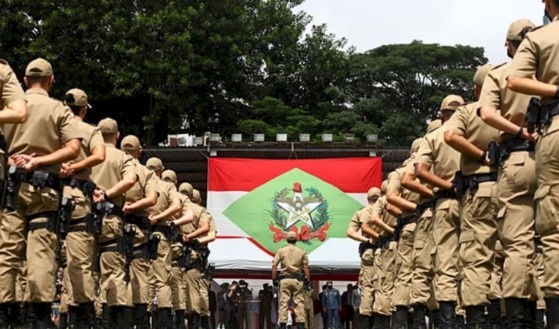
294, 265
366, 250
195, 225
469, 135
116, 175
168, 203
534, 72
384, 260
139, 198
12, 100
406, 202
436, 164
37, 148
81, 246
505, 110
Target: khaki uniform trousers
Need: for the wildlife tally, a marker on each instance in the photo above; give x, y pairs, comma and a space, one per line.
178, 283
547, 205
81, 249
446, 233
66, 293
205, 296
309, 310
162, 272
197, 300
112, 277
495, 287
384, 291
367, 282
477, 244
139, 270
21, 282
291, 289
538, 266
36, 246
422, 266
404, 263
515, 223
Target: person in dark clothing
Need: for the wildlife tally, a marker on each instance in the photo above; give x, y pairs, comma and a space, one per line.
347, 305
213, 306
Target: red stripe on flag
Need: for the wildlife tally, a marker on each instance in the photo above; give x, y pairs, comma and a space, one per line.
232, 174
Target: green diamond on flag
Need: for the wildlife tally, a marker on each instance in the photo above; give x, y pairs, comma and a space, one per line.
295, 201
262, 200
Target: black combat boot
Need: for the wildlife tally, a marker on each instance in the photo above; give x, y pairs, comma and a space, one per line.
4, 316
419, 312
494, 314
475, 317
447, 315
141, 318
300, 326
179, 319
516, 314
539, 322
63, 322
364, 322
530, 309
435, 319
381, 321
552, 312
165, 318
106, 322
194, 318
400, 318
205, 322
43, 313
73, 315
460, 322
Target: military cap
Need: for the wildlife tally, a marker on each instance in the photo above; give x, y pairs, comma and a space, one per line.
108, 126
130, 142
38, 68
186, 188
154, 163
518, 29
169, 176
373, 191
76, 97
291, 236
196, 197
481, 73
451, 102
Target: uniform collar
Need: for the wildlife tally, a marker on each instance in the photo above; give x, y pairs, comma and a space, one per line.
38, 91
556, 18
110, 145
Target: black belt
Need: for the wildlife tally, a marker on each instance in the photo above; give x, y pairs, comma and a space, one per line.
518, 145
40, 179
50, 215
292, 276
86, 186
383, 242
113, 245
445, 194
407, 220
141, 222
472, 182
165, 230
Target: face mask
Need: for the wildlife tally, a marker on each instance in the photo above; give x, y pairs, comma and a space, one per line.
546, 18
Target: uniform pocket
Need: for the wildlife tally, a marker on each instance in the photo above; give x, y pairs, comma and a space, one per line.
467, 251
546, 209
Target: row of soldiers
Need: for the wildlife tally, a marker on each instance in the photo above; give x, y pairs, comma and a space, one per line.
124, 233
453, 229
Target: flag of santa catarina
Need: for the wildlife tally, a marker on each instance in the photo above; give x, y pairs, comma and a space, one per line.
265, 199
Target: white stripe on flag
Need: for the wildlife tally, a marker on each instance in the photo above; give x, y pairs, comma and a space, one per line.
217, 204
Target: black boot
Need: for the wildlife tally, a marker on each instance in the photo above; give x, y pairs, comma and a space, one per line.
63, 323
435, 319
460, 322
516, 314
381, 321
195, 321
530, 307
141, 318
106, 322
205, 323
400, 318
552, 312
73, 316
539, 322
475, 317
364, 322
179, 319
165, 318
43, 315
419, 312
127, 314
4, 316
494, 313
298, 326
447, 315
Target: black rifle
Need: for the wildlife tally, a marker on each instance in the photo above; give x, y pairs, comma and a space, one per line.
60, 223
187, 249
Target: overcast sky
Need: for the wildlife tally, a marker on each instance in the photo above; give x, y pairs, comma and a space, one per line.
367, 24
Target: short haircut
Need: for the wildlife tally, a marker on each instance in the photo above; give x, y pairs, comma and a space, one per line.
35, 80
109, 137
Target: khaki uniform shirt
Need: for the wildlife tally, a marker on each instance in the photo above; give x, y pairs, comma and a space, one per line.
438, 155
538, 56
49, 125
363, 217
91, 138
512, 105
395, 183
167, 195
9, 86
200, 216
291, 258
467, 123
146, 183
115, 168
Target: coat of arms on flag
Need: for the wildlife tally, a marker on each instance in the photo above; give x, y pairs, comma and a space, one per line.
265, 199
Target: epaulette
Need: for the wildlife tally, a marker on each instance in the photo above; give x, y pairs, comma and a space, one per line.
498, 66
536, 28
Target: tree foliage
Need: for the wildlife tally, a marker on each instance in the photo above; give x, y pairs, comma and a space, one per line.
249, 66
